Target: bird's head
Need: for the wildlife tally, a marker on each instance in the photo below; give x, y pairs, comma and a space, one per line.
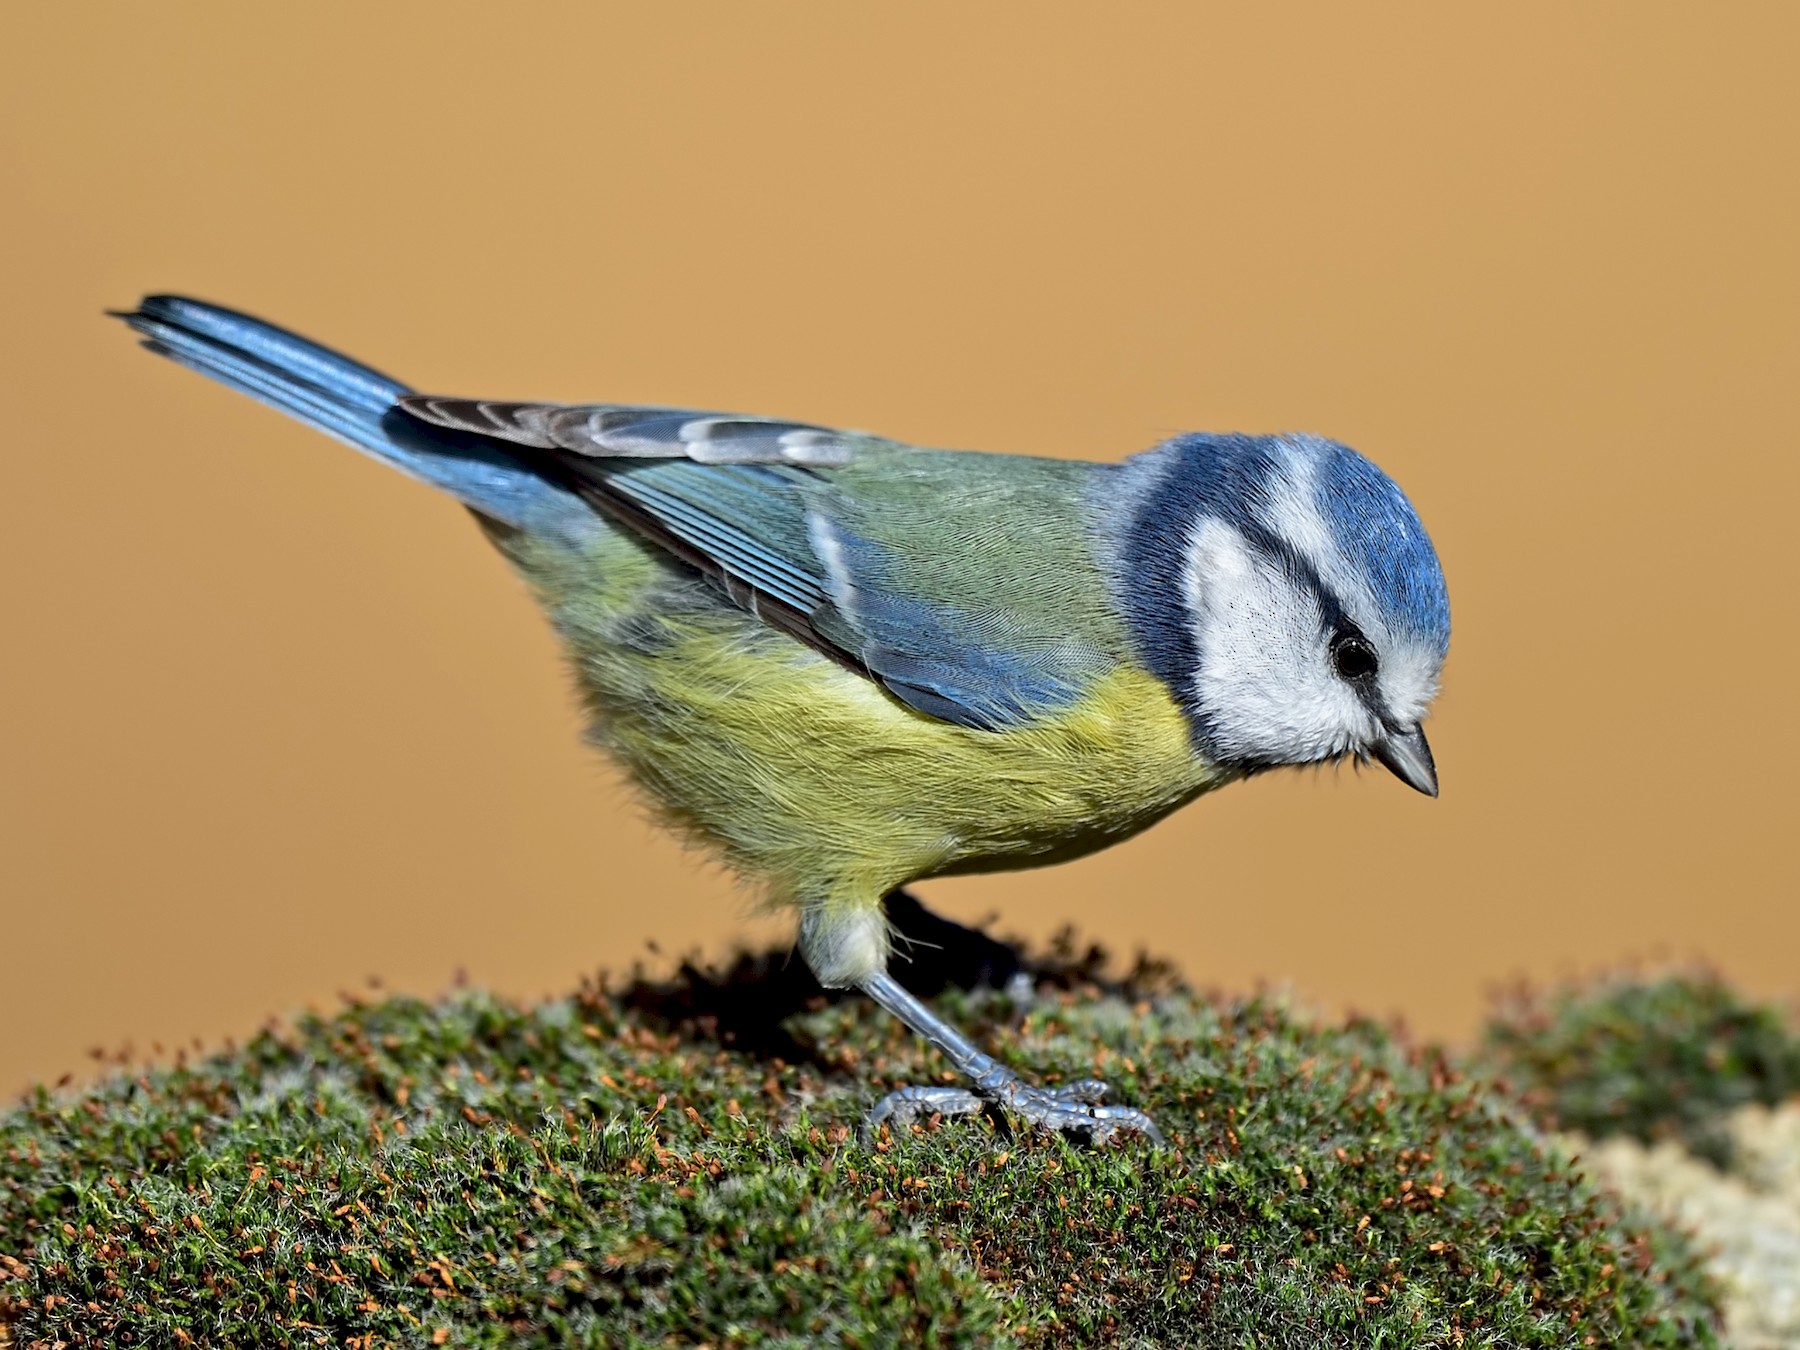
1285, 589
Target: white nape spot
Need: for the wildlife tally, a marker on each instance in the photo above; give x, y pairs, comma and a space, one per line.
1264, 680
828, 547
845, 946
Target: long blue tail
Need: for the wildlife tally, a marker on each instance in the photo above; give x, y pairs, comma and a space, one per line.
356, 404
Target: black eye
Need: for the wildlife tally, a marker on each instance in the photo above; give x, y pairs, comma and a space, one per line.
1353, 658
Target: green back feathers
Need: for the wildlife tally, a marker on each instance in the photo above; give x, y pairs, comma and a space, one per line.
964, 583
968, 581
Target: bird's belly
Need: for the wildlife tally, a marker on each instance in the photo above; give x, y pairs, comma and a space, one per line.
814, 780
812, 777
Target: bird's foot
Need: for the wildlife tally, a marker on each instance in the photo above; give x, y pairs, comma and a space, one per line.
1076, 1108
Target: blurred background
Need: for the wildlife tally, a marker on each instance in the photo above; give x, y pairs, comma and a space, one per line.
274, 720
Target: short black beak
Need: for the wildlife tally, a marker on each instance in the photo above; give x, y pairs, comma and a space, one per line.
1408, 756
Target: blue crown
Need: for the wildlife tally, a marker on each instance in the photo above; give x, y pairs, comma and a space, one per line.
1378, 530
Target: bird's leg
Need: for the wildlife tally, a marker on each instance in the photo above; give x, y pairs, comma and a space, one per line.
939, 953
1074, 1108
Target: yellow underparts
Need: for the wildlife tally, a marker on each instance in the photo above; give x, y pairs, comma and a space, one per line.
814, 781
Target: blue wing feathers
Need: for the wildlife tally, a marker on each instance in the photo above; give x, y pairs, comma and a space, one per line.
750, 522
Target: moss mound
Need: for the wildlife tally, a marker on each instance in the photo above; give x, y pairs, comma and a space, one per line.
470, 1172
1651, 1058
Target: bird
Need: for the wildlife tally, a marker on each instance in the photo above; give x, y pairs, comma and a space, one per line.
845, 664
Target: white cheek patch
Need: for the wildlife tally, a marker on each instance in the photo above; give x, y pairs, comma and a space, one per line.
1263, 681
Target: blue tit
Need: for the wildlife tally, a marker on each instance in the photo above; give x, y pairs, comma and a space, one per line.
845, 663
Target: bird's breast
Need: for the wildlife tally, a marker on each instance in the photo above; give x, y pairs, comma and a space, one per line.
813, 778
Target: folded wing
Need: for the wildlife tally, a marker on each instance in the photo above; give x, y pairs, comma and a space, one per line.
963, 583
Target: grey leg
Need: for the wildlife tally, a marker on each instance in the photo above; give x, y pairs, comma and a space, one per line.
1074, 1108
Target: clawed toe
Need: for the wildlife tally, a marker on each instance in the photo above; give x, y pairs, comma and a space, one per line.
904, 1106
1078, 1109
1071, 1109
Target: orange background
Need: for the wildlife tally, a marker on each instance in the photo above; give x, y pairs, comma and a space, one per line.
275, 719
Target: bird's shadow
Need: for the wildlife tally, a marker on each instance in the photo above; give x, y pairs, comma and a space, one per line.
745, 1003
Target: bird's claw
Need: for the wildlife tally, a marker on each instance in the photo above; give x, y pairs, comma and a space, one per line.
1071, 1109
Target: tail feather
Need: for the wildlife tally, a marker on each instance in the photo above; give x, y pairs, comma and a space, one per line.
354, 403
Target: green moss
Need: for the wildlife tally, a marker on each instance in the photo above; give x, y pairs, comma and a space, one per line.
475, 1173
1652, 1058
